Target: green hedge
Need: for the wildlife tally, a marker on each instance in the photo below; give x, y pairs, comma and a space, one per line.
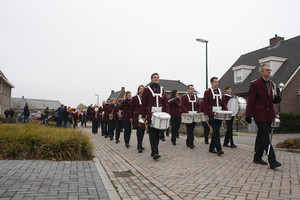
7, 120
289, 123
33, 141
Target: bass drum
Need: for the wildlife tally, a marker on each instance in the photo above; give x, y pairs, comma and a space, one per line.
237, 105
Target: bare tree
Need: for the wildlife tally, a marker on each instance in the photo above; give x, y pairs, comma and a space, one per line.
81, 106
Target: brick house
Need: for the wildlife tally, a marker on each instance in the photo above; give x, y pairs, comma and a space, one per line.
5, 93
283, 56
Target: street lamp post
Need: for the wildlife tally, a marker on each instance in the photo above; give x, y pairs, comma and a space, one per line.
205, 41
97, 98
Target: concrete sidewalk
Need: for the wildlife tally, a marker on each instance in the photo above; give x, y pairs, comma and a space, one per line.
183, 173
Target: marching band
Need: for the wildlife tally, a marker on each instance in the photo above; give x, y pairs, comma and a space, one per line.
150, 110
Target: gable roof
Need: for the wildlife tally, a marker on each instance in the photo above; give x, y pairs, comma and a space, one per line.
289, 49
37, 104
6, 80
170, 85
115, 95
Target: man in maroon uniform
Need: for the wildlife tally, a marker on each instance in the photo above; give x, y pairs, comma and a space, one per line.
213, 101
105, 118
154, 100
261, 96
136, 113
190, 104
126, 117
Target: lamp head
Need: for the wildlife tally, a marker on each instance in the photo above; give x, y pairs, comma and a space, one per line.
281, 86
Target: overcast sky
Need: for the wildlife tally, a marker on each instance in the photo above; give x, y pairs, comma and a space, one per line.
71, 50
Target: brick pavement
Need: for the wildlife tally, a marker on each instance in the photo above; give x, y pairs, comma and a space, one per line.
39, 179
183, 173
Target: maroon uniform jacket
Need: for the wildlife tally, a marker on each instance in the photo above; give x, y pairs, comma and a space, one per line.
126, 110
186, 105
106, 113
175, 108
136, 107
108, 110
96, 117
227, 97
209, 102
115, 112
148, 101
260, 102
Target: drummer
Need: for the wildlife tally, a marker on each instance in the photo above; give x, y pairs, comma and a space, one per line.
190, 104
136, 113
228, 136
214, 101
154, 100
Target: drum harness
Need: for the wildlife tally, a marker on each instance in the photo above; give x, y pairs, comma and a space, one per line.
192, 101
156, 95
140, 102
219, 96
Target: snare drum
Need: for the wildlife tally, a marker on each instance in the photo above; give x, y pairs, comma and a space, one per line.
199, 117
277, 123
187, 118
237, 106
160, 120
223, 115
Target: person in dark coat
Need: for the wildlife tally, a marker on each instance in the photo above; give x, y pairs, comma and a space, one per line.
26, 112
261, 96
11, 113
46, 112
117, 119
6, 113
59, 116
126, 108
175, 112
110, 122
65, 116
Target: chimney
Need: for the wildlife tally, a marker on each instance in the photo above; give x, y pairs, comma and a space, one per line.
123, 89
275, 40
112, 91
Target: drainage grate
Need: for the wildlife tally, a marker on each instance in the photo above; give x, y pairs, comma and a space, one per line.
123, 174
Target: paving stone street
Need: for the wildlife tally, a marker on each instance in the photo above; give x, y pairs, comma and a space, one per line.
184, 173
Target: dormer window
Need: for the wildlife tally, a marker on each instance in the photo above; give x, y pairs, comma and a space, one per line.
241, 72
274, 63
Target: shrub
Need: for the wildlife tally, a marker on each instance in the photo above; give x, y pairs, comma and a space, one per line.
291, 143
7, 120
32, 141
289, 123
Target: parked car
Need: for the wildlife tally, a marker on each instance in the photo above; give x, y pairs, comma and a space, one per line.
36, 116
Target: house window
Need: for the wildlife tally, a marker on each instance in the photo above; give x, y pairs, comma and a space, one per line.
238, 76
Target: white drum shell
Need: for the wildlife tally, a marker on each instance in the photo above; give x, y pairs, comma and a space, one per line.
187, 118
237, 106
223, 115
199, 117
160, 120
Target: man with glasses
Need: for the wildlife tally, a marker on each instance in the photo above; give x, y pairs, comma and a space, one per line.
261, 96
190, 104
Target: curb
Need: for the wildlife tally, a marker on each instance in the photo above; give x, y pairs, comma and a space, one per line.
110, 189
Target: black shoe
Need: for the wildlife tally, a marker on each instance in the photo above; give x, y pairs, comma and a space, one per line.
275, 164
226, 145
213, 151
140, 150
156, 156
206, 141
117, 141
111, 138
192, 146
220, 152
106, 136
127, 145
259, 161
163, 139
143, 148
233, 146
174, 143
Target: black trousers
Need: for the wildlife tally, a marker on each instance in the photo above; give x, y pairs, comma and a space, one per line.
117, 125
263, 141
206, 131
215, 139
190, 134
140, 132
175, 123
228, 136
111, 128
127, 130
95, 126
154, 138
162, 134
104, 127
